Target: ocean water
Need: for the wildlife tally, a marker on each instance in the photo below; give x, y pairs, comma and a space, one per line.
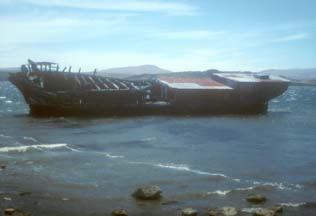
90, 166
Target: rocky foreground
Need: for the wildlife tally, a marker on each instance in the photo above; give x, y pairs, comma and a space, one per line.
154, 193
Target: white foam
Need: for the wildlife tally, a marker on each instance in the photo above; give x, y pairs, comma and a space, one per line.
5, 136
113, 156
3, 97
25, 148
225, 192
30, 138
219, 192
244, 189
281, 186
180, 167
8, 101
7, 198
272, 184
251, 210
72, 149
295, 205
149, 139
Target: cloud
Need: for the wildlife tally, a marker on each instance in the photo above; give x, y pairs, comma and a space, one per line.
161, 6
294, 37
24, 30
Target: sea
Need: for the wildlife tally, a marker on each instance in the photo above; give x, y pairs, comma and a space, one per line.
90, 166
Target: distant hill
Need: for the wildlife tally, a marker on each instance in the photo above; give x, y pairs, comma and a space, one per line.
297, 76
4, 72
123, 72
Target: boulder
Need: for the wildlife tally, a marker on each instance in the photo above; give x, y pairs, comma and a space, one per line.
225, 211
2, 167
263, 212
189, 212
274, 211
119, 212
256, 198
212, 212
229, 211
152, 192
9, 211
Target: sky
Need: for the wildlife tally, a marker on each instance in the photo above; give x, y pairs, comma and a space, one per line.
179, 35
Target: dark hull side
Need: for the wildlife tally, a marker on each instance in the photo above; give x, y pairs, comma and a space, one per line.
127, 103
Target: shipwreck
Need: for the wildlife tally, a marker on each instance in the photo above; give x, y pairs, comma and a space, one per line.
50, 90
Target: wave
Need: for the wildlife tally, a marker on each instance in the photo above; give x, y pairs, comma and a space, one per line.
8, 101
294, 205
30, 138
280, 110
149, 139
38, 147
280, 186
3, 97
5, 136
225, 192
220, 192
186, 168
114, 156
180, 167
251, 210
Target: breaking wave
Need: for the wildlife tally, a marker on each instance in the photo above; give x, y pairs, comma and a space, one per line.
219, 192
30, 138
3, 97
225, 192
38, 147
180, 167
294, 205
280, 186
5, 136
113, 156
251, 210
149, 139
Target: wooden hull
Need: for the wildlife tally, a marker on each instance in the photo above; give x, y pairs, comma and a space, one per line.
46, 101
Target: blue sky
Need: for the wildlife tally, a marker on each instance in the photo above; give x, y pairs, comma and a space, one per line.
174, 34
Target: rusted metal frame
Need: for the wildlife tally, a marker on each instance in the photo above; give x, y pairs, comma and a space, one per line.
94, 83
85, 82
101, 83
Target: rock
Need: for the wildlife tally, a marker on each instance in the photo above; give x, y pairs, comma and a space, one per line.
229, 211
2, 167
264, 212
148, 193
256, 198
274, 211
189, 212
119, 212
213, 212
25, 193
277, 209
9, 211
